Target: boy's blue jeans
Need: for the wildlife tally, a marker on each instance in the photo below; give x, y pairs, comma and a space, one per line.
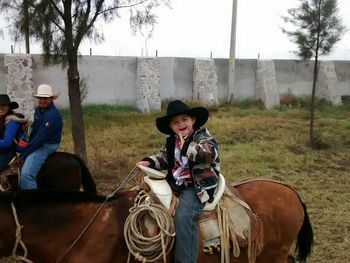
33, 164
186, 239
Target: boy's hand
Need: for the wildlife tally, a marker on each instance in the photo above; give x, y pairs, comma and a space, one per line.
182, 141
144, 163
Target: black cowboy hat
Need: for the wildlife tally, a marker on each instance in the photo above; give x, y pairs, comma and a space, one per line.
177, 107
4, 99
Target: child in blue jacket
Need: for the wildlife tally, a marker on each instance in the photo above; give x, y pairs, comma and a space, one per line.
10, 129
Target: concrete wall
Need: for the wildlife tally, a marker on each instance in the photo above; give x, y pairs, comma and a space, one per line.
109, 80
112, 80
342, 68
295, 76
176, 77
245, 77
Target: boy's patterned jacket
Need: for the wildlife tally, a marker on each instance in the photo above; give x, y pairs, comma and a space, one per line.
201, 150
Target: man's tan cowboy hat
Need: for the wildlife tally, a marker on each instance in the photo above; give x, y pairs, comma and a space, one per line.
4, 99
46, 91
177, 107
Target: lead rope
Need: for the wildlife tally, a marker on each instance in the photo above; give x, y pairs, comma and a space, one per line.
19, 239
128, 178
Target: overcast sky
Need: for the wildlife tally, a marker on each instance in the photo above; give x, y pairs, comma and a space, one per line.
197, 28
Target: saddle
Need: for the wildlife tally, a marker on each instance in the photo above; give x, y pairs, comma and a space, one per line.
9, 176
226, 223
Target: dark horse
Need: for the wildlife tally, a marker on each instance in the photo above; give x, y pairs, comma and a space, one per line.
52, 221
62, 170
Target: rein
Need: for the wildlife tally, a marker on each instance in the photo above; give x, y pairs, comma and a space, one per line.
128, 178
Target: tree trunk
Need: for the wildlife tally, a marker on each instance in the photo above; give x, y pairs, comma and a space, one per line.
78, 131
314, 83
312, 109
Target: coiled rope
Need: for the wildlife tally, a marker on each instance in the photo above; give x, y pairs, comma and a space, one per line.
148, 249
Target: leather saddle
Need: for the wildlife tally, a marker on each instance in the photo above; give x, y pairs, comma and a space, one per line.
228, 217
9, 176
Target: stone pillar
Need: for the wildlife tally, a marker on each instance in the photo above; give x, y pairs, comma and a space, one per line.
205, 87
266, 87
327, 83
19, 81
148, 85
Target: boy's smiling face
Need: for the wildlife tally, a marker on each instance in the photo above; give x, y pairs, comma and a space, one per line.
182, 124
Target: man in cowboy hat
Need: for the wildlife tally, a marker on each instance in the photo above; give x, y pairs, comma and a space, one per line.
45, 136
191, 157
10, 129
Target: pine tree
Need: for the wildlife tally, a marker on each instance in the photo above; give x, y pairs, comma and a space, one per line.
318, 28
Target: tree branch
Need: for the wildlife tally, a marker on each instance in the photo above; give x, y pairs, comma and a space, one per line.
122, 6
56, 8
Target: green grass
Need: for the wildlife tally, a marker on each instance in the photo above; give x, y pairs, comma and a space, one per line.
253, 142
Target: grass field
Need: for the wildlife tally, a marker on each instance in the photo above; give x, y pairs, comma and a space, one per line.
253, 143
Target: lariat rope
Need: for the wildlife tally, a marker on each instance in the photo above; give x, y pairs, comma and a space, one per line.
134, 172
19, 239
144, 248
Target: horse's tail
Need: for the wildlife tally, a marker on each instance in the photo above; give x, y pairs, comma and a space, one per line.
86, 178
305, 238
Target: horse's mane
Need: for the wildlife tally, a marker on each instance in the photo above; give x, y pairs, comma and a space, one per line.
56, 195
50, 195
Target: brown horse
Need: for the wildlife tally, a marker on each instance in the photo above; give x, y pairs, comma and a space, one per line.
52, 221
62, 170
